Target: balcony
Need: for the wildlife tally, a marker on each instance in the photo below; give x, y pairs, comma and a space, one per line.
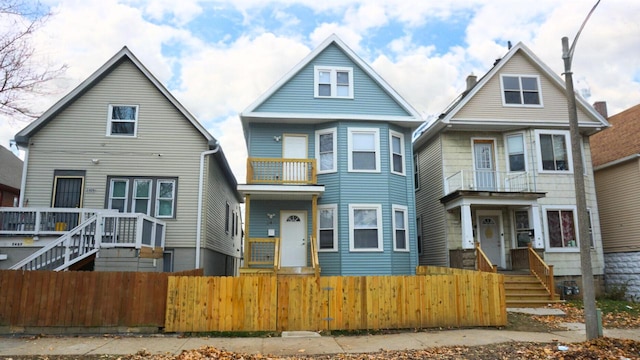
482, 180
278, 171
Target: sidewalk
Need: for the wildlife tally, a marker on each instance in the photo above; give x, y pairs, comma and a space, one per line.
295, 343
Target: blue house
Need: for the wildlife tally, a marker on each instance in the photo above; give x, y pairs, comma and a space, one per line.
330, 184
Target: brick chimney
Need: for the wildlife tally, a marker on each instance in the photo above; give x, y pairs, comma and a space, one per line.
601, 107
471, 81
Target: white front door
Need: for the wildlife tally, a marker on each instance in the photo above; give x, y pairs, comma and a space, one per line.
294, 146
485, 176
293, 238
490, 236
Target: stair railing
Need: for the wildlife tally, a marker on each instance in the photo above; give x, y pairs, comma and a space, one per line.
542, 271
315, 262
482, 261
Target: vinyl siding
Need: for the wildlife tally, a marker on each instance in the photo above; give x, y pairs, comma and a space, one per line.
297, 95
77, 135
618, 189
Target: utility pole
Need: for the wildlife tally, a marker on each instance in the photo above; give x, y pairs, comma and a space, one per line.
588, 287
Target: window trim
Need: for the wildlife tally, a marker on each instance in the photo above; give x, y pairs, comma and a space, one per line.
567, 142
405, 211
376, 134
110, 121
333, 81
126, 194
416, 172
173, 199
547, 239
392, 134
524, 152
227, 217
334, 132
378, 208
522, 104
419, 234
133, 195
334, 208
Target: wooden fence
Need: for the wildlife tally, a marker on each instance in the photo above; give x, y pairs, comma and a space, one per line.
83, 299
269, 303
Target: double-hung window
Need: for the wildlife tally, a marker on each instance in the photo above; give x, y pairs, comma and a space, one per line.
396, 141
333, 82
515, 152
520, 90
142, 196
118, 194
416, 172
165, 200
553, 150
122, 120
400, 228
327, 227
326, 155
364, 150
365, 223
561, 228
227, 217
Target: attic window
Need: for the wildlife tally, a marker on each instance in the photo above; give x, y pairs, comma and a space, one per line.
521, 90
333, 82
122, 120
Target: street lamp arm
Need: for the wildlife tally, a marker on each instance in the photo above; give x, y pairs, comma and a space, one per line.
568, 53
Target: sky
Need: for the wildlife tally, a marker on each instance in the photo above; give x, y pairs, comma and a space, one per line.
217, 57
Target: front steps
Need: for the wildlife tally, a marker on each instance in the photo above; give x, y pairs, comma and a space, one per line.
526, 291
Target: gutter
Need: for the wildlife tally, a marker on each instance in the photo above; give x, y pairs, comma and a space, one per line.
200, 191
23, 181
616, 162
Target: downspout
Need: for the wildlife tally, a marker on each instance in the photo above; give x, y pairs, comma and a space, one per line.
200, 191
23, 181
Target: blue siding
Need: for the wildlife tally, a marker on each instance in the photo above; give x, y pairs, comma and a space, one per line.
297, 95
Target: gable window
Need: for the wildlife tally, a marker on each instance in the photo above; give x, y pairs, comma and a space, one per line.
365, 223
326, 154
397, 152
118, 194
561, 228
515, 152
333, 82
364, 150
400, 226
165, 199
122, 120
328, 227
142, 196
554, 155
521, 90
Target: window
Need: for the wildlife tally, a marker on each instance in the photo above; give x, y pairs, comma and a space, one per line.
416, 172
589, 220
561, 227
364, 150
328, 227
226, 218
333, 82
326, 155
521, 90
555, 156
237, 224
396, 141
122, 120
515, 152
523, 228
165, 199
365, 222
118, 194
142, 196
400, 228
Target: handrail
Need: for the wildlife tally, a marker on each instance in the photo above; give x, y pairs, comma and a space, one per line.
315, 261
277, 263
281, 171
542, 271
482, 261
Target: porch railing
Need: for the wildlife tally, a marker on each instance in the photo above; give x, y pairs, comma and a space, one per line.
483, 180
42, 221
542, 271
281, 171
263, 254
482, 261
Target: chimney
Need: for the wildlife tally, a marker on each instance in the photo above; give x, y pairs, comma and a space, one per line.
471, 81
601, 107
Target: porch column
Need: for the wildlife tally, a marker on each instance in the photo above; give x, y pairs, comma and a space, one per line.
247, 210
314, 216
538, 242
467, 227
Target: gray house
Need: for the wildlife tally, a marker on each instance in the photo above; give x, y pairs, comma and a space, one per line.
119, 176
10, 176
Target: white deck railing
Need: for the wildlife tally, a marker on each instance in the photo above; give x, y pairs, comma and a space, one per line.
482, 180
42, 221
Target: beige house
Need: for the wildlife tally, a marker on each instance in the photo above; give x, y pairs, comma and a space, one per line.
495, 168
122, 150
616, 161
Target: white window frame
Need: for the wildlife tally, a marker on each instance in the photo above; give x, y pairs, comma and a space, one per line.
126, 193
334, 132
334, 208
521, 104
416, 172
378, 209
333, 82
507, 153
571, 208
135, 195
376, 135
399, 135
567, 141
158, 198
110, 121
405, 211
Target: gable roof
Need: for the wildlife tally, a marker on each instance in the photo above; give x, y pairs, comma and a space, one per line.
450, 112
22, 137
619, 142
251, 110
11, 174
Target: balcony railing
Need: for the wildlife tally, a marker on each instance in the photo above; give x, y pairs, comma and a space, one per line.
483, 180
263, 255
281, 171
42, 221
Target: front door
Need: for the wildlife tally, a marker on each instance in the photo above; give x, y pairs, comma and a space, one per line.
490, 236
293, 238
294, 146
485, 176
67, 193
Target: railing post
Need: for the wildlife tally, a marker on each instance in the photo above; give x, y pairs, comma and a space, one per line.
97, 233
552, 288
139, 225
36, 229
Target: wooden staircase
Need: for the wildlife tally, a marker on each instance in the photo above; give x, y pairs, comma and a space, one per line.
523, 290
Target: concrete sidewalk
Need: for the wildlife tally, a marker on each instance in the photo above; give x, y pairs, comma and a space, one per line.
294, 344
